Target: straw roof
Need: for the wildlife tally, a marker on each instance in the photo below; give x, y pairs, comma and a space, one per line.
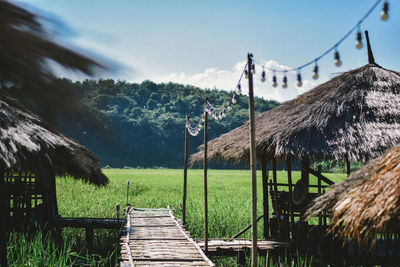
355, 114
28, 143
367, 203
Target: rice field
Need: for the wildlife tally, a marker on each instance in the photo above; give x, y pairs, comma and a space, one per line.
229, 197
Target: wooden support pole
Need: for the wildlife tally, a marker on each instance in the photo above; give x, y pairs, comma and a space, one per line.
305, 174
347, 166
278, 213
264, 172
205, 181
185, 164
290, 201
252, 163
3, 221
89, 239
319, 192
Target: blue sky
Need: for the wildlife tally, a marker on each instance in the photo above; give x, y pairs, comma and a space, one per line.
205, 43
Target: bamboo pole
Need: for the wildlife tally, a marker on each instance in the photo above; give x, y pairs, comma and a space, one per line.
252, 163
205, 181
289, 172
319, 192
278, 213
185, 172
264, 172
347, 166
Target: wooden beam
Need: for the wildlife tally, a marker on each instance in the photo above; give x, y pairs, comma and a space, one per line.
252, 162
264, 172
319, 193
205, 180
289, 172
347, 166
245, 229
185, 165
320, 176
278, 213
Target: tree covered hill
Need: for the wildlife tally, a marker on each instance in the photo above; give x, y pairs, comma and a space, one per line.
137, 125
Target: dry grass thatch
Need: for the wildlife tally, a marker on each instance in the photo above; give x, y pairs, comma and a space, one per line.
356, 114
367, 203
27, 143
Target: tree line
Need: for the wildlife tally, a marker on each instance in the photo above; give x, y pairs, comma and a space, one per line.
135, 124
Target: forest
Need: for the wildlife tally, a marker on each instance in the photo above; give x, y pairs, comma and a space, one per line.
134, 124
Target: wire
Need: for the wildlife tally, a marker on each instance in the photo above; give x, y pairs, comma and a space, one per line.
331, 48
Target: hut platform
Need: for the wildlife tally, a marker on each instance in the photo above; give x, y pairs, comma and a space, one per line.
231, 247
155, 237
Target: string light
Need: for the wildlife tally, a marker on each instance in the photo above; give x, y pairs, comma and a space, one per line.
274, 83
253, 69
384, 12
284, 85
338, 62
359, 43
299, 82
233, 100
263, 75
315, 72
239, 88
246, 74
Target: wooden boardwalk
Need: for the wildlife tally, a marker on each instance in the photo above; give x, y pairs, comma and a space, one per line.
154, 237
230, 247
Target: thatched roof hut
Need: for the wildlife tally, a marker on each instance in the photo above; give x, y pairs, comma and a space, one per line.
354, 115
28, 143
367, 203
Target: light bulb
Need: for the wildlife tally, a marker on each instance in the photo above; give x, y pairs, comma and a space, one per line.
233, 100
246, 74
253, 69
284, 85
239, 88
263, 76
384, 12
274, 83
338, 62
359, 43
299, 82
229, 108
315, 73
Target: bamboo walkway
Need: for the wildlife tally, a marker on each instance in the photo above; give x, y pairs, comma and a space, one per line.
154, 237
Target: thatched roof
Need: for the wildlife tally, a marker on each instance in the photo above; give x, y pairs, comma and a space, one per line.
28, 143
356, 114
367, 203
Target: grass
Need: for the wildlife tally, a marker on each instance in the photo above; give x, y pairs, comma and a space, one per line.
229, 197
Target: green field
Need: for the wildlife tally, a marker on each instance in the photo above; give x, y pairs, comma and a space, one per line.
229, 194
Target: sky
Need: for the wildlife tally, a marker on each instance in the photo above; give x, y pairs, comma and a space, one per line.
205, 43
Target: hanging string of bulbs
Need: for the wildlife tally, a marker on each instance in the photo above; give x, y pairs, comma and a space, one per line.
338, 62
216, 113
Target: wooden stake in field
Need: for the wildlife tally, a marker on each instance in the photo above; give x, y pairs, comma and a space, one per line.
185, 172
250, 68
205, 180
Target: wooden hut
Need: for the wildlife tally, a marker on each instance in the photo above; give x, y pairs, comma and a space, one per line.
355, 116
32, 154
366, 204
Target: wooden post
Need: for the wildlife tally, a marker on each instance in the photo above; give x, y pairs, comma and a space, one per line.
264, 171
252, 163
205, 181
185, 163
347, 166
289, 172
89, 239
278, 213
319, 193
3, 221
305, 175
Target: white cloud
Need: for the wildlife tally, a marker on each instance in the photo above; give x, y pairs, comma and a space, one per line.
227, 80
